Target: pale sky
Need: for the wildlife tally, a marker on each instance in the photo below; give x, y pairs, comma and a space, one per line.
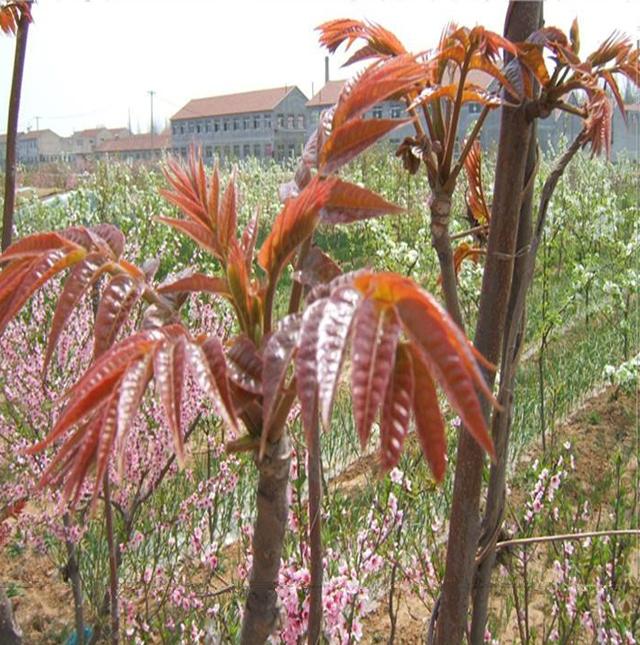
92, 62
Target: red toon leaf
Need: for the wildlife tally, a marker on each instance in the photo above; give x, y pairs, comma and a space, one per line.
347, 141
80, 279
169, 371
306, 370
334, 331
118, 299
375, 336
430, 428
396, 409
475, 195
277, 356
351, 203
295, 222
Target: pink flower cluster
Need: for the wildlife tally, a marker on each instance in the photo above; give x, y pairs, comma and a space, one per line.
544, 490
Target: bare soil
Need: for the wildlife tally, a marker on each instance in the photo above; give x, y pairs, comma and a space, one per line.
607, 423
43, 603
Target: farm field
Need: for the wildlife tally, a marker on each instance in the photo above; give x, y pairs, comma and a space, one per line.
183, 534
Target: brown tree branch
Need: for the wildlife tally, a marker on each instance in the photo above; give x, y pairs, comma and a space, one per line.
564, 537
502, 419
113, 563
315, 536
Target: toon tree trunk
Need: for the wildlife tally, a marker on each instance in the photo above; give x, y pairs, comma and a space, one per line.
12, 132
495, 493
522, 19
10, 633
272, 508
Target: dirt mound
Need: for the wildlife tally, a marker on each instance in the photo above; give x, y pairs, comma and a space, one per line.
606, 424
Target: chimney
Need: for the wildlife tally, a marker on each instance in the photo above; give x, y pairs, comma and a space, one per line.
326, 69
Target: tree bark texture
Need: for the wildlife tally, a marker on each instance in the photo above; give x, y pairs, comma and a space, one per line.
494, 506
10, 633
261, 608
515, 132
12, 132
440, 208
72, 574
113, 564
502, 420
314, 475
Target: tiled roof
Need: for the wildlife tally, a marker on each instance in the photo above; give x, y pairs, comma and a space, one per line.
136, 142
256, 101
93, 132
328, 95
35, 134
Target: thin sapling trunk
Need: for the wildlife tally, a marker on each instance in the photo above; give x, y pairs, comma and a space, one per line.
261, 610
502, 419
12, 130
515, 132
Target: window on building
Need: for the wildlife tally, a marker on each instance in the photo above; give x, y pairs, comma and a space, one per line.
280, 120
290, 121
207, 126
267, 121
300, 121
190, 128
236, 151
256, 122
315, 117
377, 112
208, 152
181, 129
280, 151
197, 127
217, 151
236, 123
256, 150
225, 125
216, 126
246, 123
396, 112
292, 151
174, 129
268, 150
227, 151
246, 150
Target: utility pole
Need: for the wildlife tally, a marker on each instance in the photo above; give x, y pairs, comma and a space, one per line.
151, 93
